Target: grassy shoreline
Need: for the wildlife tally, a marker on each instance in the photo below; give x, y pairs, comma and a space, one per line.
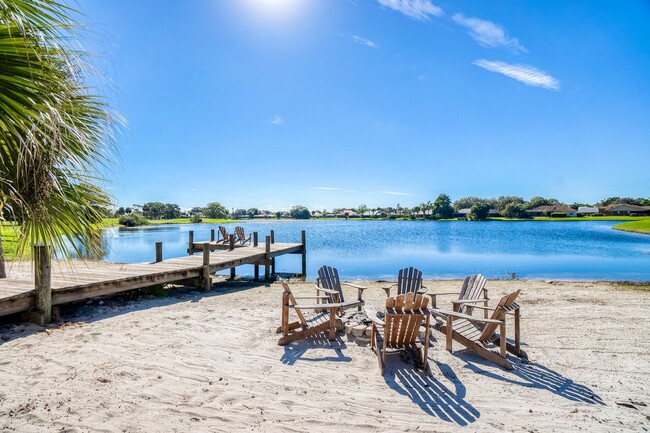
638, 226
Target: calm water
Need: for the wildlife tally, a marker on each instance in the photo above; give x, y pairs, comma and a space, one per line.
588, 250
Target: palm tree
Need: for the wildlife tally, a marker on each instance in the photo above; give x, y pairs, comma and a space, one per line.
57, 138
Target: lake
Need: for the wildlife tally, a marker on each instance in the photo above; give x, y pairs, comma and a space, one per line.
583, 250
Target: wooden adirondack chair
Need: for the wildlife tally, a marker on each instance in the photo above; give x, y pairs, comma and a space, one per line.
477, 333
222, 236
473, 292
241, 236
328, 282
323, 322
400, 328
409, 280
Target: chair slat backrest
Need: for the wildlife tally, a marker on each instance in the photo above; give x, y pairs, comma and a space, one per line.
329, 279
223, 232
404, 315
472, 289
409, 280
239, 231
505, 304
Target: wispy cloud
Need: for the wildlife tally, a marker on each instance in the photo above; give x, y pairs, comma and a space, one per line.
488, 34
527, 74
396, 193
421, 10
276, 120
364, 41
326, 188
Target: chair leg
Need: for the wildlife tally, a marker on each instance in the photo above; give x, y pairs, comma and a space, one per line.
517, 335
450, 331
502, 339
332, 329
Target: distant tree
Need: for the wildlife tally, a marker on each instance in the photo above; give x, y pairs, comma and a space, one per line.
171, 211
466, 202
540, 201
252, 212
505, 200
515, 210
195, 210
361, 209
132, 220
625, 200
120, 211
278, 214
215, 210
299, 212
442, 207
128, 210
479, 211
239, 213
153, 210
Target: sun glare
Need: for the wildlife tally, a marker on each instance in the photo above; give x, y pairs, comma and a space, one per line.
275, 9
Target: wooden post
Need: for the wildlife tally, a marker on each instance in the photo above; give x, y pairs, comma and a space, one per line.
517, 332
267, 259
273, 259
207, 281
304, 254
231, 239
190, 242
255, 244
211, 235
159, 255
42, 284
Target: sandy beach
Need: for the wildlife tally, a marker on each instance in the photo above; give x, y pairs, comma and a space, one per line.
195, 362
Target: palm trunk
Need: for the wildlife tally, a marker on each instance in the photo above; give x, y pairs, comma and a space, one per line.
3, 271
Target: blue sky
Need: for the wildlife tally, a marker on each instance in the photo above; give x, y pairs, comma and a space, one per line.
337, 103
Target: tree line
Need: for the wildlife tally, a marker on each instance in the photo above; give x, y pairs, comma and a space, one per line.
440, 208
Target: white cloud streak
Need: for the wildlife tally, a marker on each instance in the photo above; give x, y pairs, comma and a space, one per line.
421, 10
325, 188
488, 34
277, 120
396, 193
364, 41
529, 75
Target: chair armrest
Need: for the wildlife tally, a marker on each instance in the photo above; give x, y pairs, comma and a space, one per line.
334, 305
328, 291
311, 297
467, 316
447, 293
354, 285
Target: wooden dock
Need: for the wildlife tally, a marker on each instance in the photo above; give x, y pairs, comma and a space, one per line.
74, 283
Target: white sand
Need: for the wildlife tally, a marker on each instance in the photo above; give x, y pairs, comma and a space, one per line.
196, 363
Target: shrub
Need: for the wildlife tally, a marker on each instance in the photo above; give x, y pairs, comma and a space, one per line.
515, 210
196, 218
133, 220
478, 212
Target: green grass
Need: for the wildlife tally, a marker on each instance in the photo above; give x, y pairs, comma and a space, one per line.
599, 218
9, 235
639, 226
642, 287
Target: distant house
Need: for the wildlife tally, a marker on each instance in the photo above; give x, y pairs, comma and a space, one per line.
316, 214
550, 209
625, 209
587, 210
347, 213
367, 214
462, 214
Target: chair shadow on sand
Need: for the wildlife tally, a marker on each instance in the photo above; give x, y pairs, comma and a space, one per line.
430, 394
537, 376
296, 351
